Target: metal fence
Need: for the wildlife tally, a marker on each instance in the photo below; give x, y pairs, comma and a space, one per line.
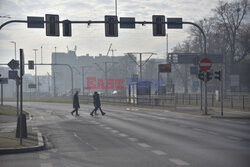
239, 101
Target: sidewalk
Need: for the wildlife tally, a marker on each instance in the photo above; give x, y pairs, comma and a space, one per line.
213, 112
9, 144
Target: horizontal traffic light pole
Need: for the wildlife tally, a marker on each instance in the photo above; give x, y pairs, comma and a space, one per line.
98, 22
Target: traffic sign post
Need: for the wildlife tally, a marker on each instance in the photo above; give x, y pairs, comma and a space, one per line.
205, 64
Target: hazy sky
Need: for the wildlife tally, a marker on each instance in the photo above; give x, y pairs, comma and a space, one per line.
92, 39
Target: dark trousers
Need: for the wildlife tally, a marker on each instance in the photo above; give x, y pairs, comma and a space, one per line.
95, 109
75, 110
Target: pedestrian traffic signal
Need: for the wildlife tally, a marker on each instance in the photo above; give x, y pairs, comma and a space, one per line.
201, 75
67, 28
217, 75
111, 26
159, 25
52, 25
209, 76
31, 65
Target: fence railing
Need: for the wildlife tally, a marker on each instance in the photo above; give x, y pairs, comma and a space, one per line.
239, 101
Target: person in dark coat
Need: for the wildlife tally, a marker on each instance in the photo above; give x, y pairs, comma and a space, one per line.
76, 104
97, 104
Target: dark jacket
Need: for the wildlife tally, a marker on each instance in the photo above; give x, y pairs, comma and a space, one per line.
76, 101
97, 102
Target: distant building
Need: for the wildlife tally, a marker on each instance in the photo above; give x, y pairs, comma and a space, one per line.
118, 67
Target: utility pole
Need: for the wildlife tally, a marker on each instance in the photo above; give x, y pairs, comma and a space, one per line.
83, 78
41, 54
140, 63
48, 83
54, 76
116, 7
15, 47
106, 70
17, 85
35, 71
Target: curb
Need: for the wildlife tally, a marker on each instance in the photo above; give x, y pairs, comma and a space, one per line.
38, 147
229, 117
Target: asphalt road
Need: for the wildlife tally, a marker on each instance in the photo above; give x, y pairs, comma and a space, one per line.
132, 137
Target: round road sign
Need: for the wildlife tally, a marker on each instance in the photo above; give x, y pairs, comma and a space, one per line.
205, 64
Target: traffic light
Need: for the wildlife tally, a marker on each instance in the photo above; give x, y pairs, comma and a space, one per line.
201, 75
217, 75
159, 25
52, 28
111, 26
67, 28
31, 65
209, 76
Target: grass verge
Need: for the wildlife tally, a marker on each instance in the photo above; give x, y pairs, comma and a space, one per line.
9, 140
9, 110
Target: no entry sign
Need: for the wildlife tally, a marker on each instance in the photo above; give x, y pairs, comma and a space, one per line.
205, 64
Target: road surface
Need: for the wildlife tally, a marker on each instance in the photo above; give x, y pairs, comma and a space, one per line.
132, 137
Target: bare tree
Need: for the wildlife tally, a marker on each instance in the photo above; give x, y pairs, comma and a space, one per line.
230, 15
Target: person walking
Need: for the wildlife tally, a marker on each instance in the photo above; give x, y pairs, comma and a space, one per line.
76, 104
97, 104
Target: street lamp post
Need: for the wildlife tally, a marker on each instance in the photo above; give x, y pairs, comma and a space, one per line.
35, 71
15, 47
17, 85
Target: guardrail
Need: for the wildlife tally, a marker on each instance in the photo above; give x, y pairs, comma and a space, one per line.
239, 101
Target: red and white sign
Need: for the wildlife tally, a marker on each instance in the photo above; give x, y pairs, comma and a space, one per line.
205, 64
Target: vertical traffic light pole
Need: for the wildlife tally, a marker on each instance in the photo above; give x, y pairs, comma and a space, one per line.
205, 89
21, 94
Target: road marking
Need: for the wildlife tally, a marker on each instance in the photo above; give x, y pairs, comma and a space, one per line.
108, 128
144, 145
34, 129
127, 108
102, 125
40, 139
123, 135
44, 155
132, 139
212, 133
179, 162
54, 150
159, 152
234, 138
114, 131
84, 141
198, 129
46, 165
183, 126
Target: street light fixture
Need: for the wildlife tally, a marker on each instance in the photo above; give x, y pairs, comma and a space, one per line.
15, 47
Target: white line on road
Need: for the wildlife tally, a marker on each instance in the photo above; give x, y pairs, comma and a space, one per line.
123, 135
85, 141
159, 152
179, 162
44, 155
212, 133
133, 139
102, 125
144, 145
198, 129
234, 138
114, 131
46, 165
40, 139
108, 128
